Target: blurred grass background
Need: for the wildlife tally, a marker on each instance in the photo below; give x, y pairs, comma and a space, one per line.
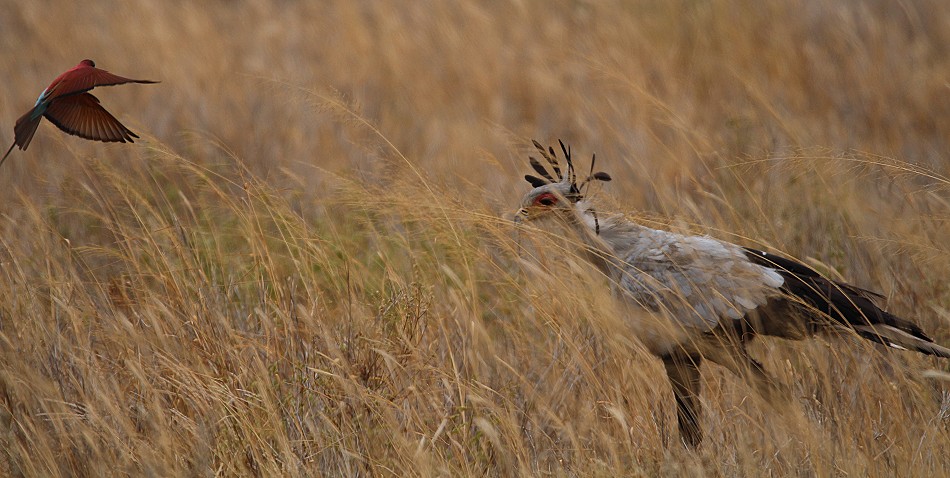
303, 267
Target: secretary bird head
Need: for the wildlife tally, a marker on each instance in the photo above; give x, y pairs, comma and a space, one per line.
557, 193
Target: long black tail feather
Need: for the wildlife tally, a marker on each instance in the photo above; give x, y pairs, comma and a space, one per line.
847, 306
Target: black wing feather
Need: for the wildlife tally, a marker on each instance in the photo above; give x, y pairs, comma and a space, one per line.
843, 303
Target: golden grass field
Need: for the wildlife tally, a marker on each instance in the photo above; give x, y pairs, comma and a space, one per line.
304, 267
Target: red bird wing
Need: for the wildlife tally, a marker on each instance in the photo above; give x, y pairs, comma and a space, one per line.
81, 115
84, 78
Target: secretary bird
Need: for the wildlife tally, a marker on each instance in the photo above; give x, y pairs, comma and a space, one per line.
715, 296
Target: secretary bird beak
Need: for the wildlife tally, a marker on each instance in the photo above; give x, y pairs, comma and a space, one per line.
520, 216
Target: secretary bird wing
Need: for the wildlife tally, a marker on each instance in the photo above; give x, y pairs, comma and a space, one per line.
788, 266
700, 281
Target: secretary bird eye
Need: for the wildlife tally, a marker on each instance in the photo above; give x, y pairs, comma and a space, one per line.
716, 294
546, 199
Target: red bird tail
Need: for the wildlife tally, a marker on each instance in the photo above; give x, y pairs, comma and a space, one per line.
23, 133
7, 154
24, 129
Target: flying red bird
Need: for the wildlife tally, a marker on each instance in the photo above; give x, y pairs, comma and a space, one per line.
66, 103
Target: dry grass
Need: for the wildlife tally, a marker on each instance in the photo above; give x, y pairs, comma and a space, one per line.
302, 268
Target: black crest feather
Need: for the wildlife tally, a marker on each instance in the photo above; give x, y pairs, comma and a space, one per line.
540, 169
550, 155
570, 162
535, 181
